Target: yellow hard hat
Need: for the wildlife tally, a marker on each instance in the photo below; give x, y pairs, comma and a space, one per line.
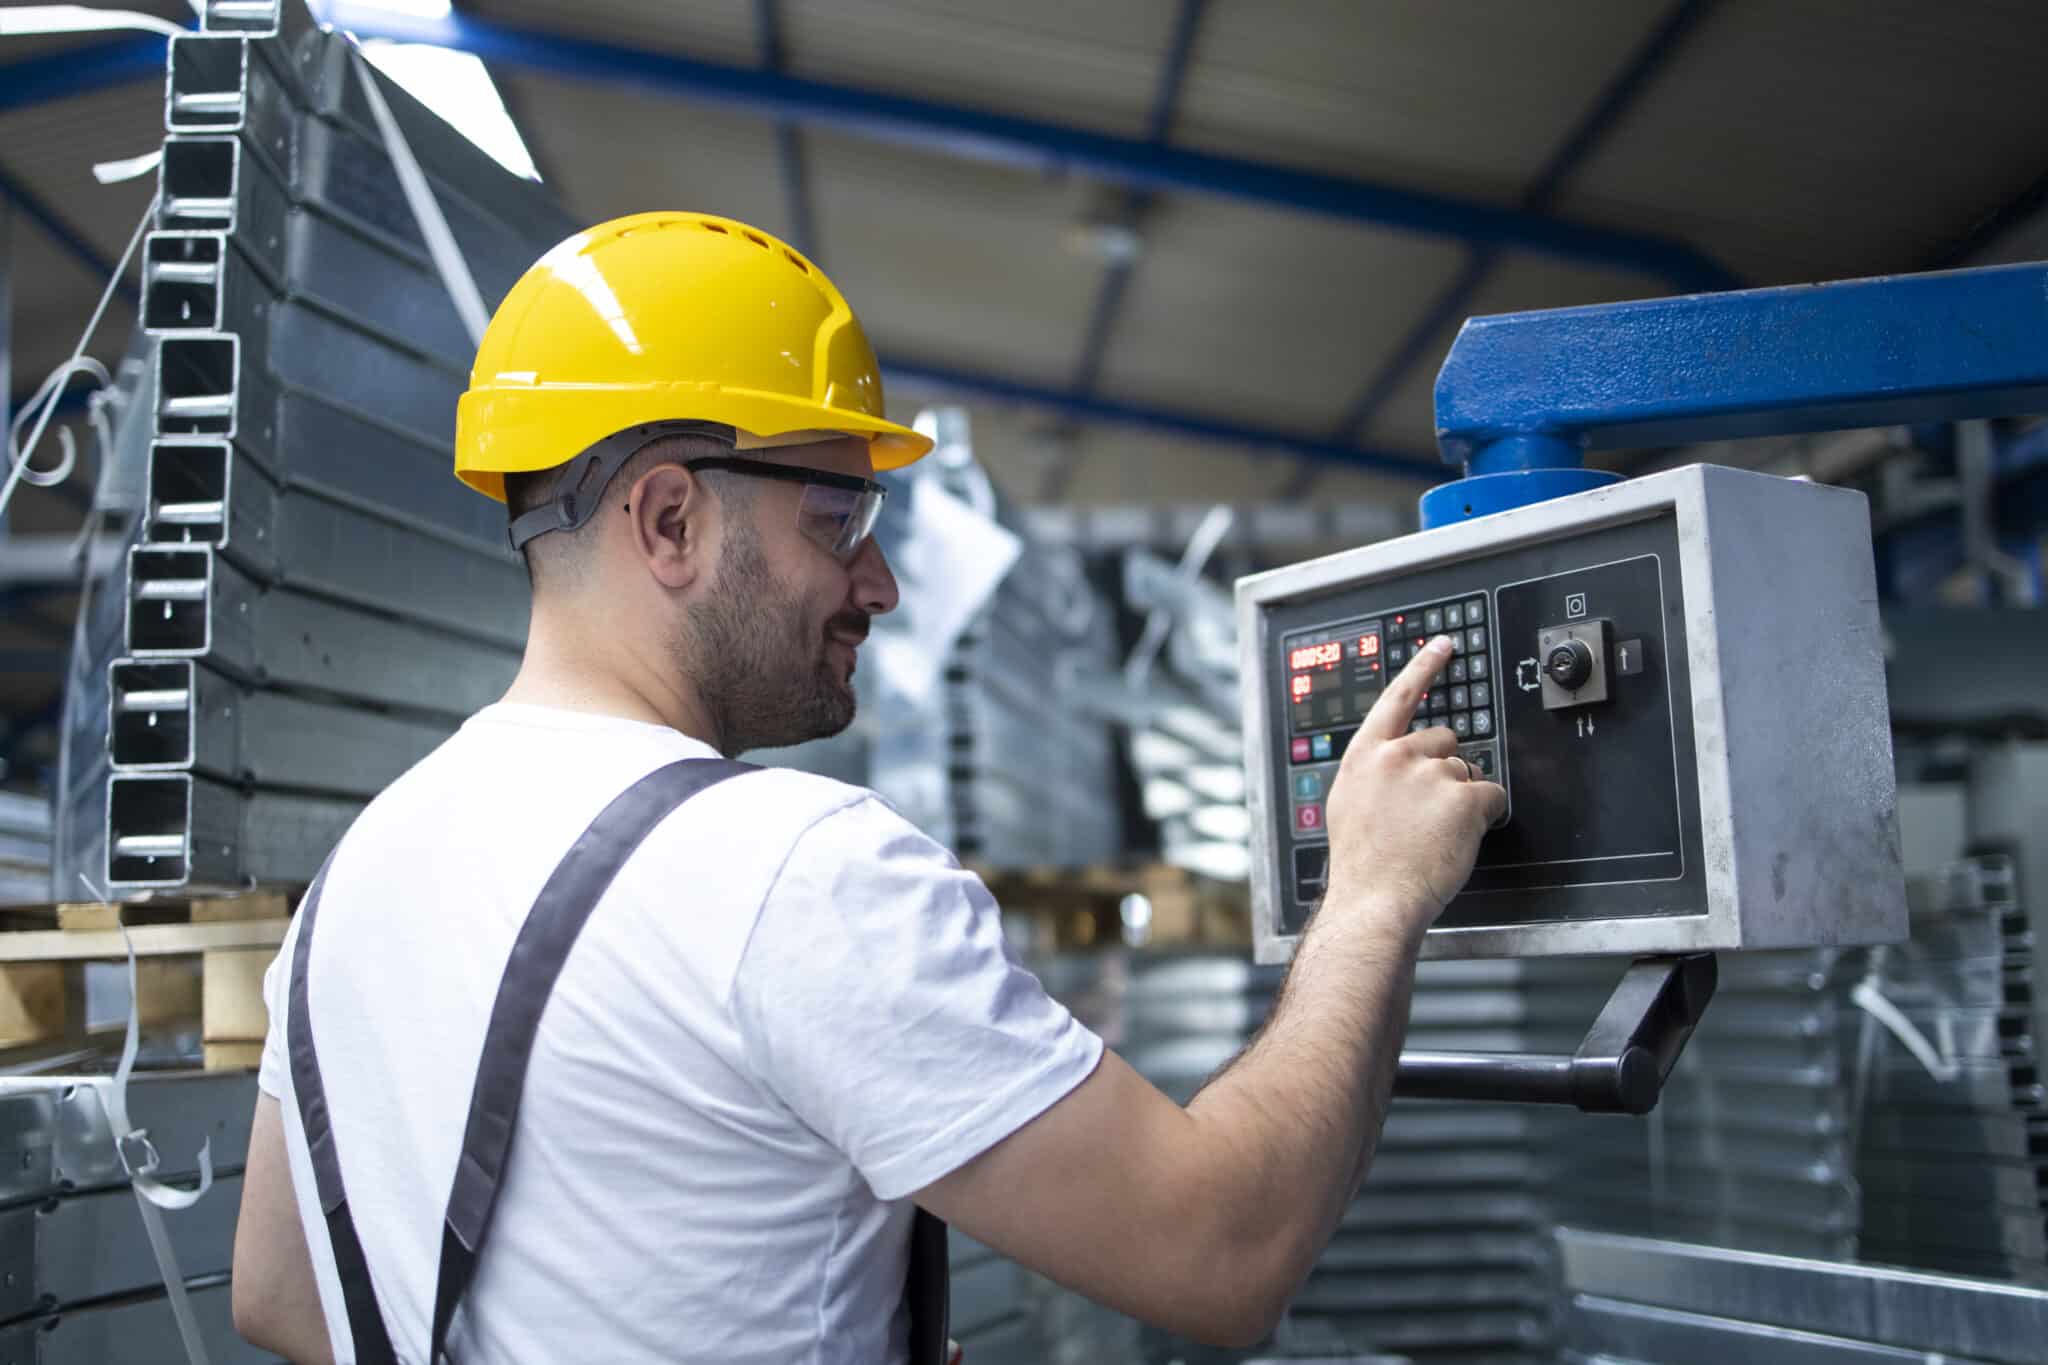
661, 317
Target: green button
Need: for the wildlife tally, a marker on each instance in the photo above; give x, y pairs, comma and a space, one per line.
1308, 786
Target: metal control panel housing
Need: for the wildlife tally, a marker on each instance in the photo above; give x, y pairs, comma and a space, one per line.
1679, 680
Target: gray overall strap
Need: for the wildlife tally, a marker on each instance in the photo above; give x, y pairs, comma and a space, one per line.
538, 955
365, 1321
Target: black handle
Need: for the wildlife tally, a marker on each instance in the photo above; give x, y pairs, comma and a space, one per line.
1619, 1069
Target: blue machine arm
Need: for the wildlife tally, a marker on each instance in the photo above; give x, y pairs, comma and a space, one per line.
1522, 396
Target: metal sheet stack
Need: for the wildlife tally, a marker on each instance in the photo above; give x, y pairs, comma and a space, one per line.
24, 849
77, 1279
1751, 1144
313, 603
1796, 1123
1954, 1166
1673, 1303
1001, 760
1445, 1253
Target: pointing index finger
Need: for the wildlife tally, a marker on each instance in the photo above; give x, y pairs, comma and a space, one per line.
1391, 714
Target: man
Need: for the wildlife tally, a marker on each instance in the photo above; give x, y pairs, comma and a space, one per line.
791, 1019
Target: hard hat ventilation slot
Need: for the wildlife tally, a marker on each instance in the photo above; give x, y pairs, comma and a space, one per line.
796, 260
757, 239
713, 227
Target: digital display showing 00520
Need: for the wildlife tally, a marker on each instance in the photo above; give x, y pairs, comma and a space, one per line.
1322, 691
1326, 655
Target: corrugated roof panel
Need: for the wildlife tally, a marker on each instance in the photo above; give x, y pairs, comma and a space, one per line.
53, 298
1122, 464
1270, 319
51, 149
1065, 61
611, 150
1832, 138
1469, 98
952, 263
1407, 420
714, 30
1333, 484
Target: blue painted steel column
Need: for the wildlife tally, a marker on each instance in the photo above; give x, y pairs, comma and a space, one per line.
1522, 396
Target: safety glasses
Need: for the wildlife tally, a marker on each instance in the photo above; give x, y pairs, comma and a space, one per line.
838, 511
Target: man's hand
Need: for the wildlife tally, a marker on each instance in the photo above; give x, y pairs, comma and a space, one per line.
1206, 1220
1405, 813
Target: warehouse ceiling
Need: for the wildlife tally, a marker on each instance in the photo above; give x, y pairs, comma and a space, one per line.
1174, 250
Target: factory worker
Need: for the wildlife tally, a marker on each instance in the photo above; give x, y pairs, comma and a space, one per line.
589, 1044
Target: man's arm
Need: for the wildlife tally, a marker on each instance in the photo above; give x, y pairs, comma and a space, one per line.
276, 1299
1205, 1220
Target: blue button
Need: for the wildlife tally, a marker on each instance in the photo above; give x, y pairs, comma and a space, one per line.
1320, 746
1308, 786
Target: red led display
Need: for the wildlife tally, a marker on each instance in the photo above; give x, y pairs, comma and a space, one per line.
1316, 656
1300, 685
1368, 646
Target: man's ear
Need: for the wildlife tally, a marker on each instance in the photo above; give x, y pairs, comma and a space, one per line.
673, 526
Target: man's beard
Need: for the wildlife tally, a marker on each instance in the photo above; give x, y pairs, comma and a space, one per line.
761, 670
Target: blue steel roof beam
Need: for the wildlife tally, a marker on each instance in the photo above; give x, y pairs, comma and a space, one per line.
1085, 407
1116, 276
1887, 351
789, 144
978, 135
81, 70
1455, 302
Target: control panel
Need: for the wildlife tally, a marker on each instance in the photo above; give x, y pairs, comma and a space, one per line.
1653, 671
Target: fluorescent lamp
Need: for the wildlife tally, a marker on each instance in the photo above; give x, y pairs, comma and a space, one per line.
455, 86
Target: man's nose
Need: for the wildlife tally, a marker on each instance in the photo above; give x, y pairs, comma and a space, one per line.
874, 586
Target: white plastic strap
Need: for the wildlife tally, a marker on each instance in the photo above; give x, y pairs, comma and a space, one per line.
43, 405
139, 1158
448, 259
1941, 1065
128, 168
26, 19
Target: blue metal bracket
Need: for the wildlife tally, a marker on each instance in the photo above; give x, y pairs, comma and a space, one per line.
1522, 396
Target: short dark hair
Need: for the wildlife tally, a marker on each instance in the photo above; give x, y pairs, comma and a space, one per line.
559, 555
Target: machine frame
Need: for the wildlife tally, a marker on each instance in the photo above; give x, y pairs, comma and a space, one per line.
1790, 833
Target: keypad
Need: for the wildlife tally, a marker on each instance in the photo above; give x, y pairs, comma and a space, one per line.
1462, 700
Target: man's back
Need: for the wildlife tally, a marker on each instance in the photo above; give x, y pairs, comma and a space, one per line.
736, 1072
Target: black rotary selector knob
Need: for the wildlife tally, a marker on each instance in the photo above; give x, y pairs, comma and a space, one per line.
1569, 665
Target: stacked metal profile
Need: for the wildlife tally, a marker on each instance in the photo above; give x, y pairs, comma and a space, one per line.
1954, 1169
1002, 761
24, 849
1446, 1251
1795, 1123
1653, 1302
313, 603
1751, 1144
77, 1279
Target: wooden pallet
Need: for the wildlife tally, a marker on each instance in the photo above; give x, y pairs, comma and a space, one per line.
196, 961
1067, 909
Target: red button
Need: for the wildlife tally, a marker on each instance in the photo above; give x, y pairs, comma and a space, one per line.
1309, 816
1300, 750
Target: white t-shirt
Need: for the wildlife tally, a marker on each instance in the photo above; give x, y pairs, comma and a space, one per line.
791, 1011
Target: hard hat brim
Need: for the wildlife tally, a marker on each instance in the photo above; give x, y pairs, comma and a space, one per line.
514, 429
